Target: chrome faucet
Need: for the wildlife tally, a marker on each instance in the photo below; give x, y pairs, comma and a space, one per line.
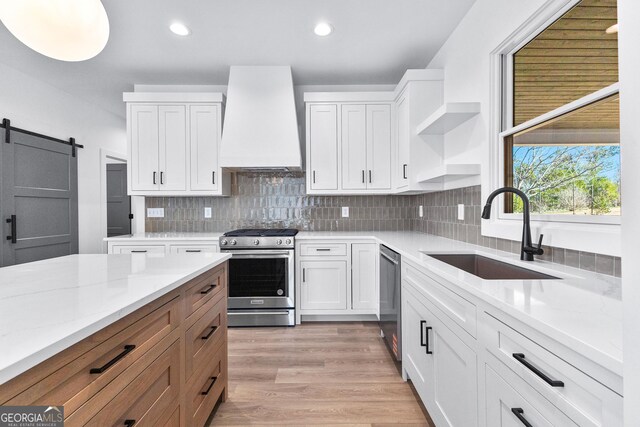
527, 250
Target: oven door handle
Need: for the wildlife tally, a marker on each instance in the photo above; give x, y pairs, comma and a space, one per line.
239, 312
259, 254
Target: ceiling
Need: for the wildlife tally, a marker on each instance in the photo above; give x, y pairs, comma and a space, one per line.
374, 42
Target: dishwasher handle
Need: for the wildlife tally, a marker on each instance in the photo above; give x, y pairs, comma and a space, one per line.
391, 260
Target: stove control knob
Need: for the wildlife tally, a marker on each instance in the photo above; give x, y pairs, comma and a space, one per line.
223, 242
233, 242
288, 241
256, 242
279, 242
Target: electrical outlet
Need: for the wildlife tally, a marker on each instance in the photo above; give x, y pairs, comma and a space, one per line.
420, 211
461, 212
207, 212
345, 212
155, 212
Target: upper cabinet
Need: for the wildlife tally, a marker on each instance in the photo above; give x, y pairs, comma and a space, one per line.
174, 144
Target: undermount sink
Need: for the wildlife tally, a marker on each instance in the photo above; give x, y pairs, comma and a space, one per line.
489, 268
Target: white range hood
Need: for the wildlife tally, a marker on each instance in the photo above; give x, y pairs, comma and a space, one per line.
260, 124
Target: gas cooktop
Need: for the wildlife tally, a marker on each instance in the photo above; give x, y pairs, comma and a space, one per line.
262, 232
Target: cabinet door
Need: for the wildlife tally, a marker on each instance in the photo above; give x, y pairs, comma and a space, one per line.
172, 137
364, 276
144, 154
403, 132
323, 147
378, 147
354, 147
324, 285
415, 360
204, 145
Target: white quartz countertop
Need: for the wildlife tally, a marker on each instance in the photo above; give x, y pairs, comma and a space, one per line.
165, 236
583, 310
47, 306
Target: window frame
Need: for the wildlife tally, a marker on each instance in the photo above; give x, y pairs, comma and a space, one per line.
506, 103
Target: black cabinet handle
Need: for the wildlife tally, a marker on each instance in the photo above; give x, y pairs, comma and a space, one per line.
314, 177
519, 413
161, 177
213, 329
426, 333
323, 249
422, 343
139, 252
14, 229
127, 349
404, 171
154, 177
193, 250
304, 275
129, 423
369, 176
208, 289
204, 393
363, 176
553, 383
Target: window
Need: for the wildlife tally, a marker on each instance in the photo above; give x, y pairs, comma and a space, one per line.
562, 139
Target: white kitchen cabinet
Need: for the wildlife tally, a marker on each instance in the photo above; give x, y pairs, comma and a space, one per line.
439, 361
364, 276
403, 129
354, 147
379, 140
184, 248
323, 285
122, 245
137, 249
173, 144
322, 146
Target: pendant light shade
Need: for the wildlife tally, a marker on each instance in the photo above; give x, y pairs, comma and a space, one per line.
67, 30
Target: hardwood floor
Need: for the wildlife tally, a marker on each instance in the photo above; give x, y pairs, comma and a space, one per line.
315, 374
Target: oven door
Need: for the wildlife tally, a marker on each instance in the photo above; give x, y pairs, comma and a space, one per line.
261, 279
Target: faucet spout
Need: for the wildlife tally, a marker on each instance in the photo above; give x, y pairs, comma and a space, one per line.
527, 249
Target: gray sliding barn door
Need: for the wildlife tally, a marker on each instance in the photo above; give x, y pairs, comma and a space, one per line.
118, 201
38, 199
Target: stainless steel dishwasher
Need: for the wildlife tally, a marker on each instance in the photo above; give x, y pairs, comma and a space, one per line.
390, 320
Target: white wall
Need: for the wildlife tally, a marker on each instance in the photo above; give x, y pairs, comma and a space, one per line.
34, 105
629, 16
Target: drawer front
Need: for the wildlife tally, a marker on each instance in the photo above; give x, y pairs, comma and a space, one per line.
148, 398
323, 249
204, 288
205, 388
457, 308
78, 381
137, 249
582, 398
189, 249
513, 402
205, 337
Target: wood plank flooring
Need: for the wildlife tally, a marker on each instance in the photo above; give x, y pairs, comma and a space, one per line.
315, 374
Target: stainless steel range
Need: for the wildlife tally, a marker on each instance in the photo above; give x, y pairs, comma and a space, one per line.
261, 276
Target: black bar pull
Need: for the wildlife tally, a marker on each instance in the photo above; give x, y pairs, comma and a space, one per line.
426, 333
193, 250
304, 275
422, 343
154, 177
143, 251
553, 383
404, 171
213, 329
162, 178
369, 176
363, 176
127, 349
208, 289
7, 130
323, 249
213, 177
519, 413
14, 229
204, 393
314, 177
129, 423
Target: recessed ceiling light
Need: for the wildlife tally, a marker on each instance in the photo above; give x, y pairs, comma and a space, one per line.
179, 29
323, 29
612, 29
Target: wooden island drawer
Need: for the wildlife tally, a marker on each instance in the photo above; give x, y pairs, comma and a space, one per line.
204, 288
205, 388
85, 375
205, 337
148, 399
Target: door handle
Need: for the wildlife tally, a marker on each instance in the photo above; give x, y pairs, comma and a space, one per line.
426, 333
304, 276
154, 177
369, 176
363, 176
404, 171
314, 177
521, 358
422, 323
161, 177
213, 177
519, 413
127, 349
14, 229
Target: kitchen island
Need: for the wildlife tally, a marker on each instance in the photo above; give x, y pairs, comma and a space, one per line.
93, 333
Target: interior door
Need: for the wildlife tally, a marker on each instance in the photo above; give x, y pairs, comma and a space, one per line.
144, 154
204, 145
39, 199
354, 147
323, 146
379, 147
118, 201
172, 137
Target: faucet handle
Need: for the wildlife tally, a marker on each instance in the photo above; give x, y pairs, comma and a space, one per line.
540, 250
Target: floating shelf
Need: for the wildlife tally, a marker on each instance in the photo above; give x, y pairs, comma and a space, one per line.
449, 171
448, 117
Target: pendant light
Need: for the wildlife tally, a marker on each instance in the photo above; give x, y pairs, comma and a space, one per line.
67, 30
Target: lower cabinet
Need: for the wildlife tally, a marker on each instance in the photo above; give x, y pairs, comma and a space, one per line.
442, 367
364, 276
159, 246
323, 285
